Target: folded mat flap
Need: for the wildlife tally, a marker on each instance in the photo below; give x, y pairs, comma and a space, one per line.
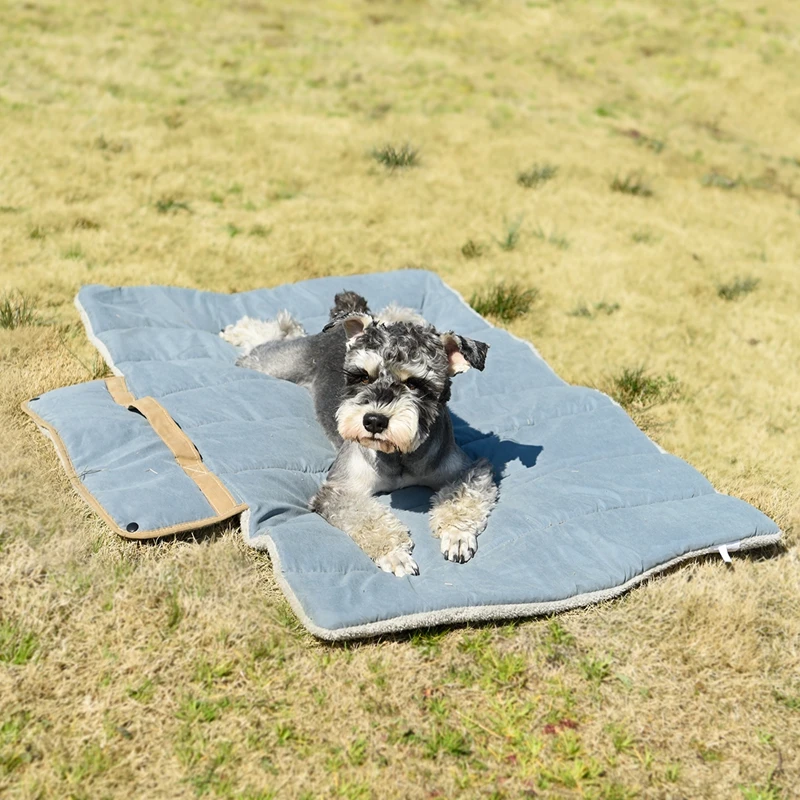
130, 460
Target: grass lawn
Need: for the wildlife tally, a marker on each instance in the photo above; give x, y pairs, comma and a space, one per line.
616, 181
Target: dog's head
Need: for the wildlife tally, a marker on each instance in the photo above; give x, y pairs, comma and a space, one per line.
397, 380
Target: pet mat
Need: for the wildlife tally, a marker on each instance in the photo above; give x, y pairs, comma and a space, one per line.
181, 438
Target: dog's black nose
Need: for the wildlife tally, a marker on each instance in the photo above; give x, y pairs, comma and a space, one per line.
376, 423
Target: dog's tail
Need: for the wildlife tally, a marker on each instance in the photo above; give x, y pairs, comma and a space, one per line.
348, 303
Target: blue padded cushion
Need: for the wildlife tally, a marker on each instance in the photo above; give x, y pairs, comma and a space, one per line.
589, 505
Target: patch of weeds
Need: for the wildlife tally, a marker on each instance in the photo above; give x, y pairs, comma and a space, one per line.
505, 301
13, 754
633, 184
260, 231
632, 388
217, 198
472, 249
11, 209
233, 230
351, 790
17, 310
648, 142
111, 145
428, 642
717, 180
553, 238
708, 754
537, 175
446, 741
768, 792
573, 774
791, 701
511, 236
495, 669
211, 674
174, 120
557, 641
37, 232
285, 617
601, 308
622, 741
193, 710
17, 646
643, 237
672, 773
143, 693
357, 752
603, 111
74, 252
737, 288
394, 158
284, 733
167, 205
594, 669
86, 224
92, 761
174, 612
568, 745
606, 308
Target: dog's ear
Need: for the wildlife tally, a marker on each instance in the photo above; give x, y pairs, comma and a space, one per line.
463, 353
356, 324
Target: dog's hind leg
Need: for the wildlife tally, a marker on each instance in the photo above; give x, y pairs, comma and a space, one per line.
289, 360
460, 511
370, 525
249, 333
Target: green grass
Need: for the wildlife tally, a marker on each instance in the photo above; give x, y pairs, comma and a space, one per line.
510, 237
641, 139
73, 253
634, 389
504, 301
167, 205
553, 238
739, 287
598, 309
17, 310
717, 180
633, 184
393, 157
537, 175
471, 249
17, 646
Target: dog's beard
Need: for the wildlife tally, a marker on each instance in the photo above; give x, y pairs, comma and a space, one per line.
401, 436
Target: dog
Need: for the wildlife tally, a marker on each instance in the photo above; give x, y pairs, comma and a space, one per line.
380, 385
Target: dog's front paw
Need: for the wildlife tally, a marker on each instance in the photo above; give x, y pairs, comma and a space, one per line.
458, 546
398, 562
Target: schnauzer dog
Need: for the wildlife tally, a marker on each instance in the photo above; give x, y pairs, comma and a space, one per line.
380, 385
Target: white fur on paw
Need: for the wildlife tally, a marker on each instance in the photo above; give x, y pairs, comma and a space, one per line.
398, 562
458, 546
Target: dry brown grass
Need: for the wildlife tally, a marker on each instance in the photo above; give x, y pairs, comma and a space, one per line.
228, 147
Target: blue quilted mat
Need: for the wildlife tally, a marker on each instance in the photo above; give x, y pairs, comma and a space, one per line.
589, 505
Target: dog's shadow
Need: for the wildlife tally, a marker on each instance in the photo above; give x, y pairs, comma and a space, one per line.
500, 452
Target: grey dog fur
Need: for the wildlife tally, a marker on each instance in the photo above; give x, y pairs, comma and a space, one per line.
399, 372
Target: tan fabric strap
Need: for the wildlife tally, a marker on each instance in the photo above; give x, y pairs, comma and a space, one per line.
118, 390
179, 443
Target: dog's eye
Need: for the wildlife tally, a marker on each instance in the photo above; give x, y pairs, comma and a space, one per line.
416, 384
357, 376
